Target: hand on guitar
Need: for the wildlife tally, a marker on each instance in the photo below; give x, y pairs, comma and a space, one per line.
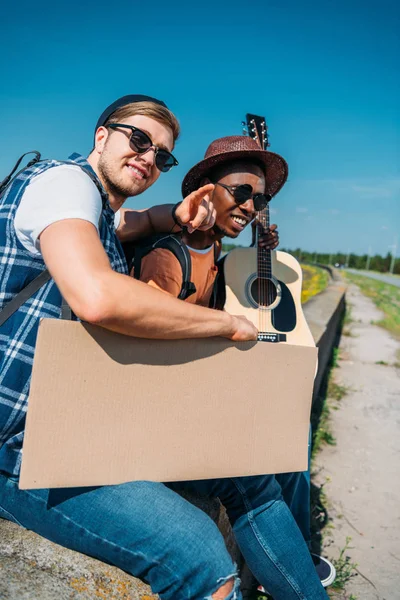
270, 240
244, 330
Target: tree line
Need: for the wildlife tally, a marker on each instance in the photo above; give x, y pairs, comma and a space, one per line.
340, 259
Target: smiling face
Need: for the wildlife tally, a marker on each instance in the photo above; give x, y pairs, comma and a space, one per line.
123, 171
231, 218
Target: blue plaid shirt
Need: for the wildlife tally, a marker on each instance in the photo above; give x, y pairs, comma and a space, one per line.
18, 334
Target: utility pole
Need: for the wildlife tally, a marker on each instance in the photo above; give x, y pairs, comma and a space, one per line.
368, 258
393, 259
330, 258
348, 258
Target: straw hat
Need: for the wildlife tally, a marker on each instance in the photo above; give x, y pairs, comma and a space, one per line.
236, 147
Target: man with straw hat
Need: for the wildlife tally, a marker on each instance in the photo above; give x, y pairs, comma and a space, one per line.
241, 172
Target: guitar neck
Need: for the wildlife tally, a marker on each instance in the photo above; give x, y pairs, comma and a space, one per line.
264, 263
257, 129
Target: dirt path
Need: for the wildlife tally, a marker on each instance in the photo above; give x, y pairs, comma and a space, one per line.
363, 469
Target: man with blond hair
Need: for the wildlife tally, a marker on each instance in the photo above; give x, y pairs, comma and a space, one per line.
65, 218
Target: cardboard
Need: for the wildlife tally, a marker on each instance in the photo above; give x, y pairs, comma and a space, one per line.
106, 408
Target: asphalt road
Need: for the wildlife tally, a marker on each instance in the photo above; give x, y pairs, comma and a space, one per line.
379, 276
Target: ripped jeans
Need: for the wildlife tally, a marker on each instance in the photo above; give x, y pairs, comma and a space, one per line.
151, 532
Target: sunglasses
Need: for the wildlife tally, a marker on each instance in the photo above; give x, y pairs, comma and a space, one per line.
141, 143
244, 192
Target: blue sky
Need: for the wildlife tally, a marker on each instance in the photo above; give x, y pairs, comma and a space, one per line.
325, 75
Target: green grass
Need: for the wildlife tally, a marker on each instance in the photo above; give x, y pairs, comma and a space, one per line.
347, 321
335, 358
385, 296
335, 392
324, 434
345, 570
315, 281
348, 317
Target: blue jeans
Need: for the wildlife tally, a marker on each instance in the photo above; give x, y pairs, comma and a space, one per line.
296, 493
151, 532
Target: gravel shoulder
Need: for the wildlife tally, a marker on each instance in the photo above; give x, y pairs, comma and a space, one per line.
362, 471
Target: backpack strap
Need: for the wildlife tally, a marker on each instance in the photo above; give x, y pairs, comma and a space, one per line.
176, 246
24, 295
7, 180
218, 296
217, 252
39, 281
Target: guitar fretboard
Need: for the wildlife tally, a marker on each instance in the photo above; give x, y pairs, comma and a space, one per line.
263, 254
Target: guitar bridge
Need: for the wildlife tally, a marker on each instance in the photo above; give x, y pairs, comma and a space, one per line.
265, 336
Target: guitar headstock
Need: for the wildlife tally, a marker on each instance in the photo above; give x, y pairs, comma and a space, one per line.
257, 129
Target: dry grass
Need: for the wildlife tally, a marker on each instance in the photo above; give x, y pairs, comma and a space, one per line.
315, 281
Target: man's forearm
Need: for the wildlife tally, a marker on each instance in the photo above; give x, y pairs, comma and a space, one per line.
136, 224
81, 269
134, 308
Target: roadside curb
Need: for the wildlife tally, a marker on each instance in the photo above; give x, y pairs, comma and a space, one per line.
324, 314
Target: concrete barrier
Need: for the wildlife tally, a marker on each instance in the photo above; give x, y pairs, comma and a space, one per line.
324, 313
33, 568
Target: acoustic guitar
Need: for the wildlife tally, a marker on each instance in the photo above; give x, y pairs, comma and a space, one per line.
265, 285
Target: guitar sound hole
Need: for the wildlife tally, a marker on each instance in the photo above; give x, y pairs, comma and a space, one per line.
263, 291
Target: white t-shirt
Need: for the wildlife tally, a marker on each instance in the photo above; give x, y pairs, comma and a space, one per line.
63, 192
201, 250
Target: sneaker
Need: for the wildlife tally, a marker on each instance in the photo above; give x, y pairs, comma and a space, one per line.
262, 593
325, 569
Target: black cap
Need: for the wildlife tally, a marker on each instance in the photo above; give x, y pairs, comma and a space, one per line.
130, 99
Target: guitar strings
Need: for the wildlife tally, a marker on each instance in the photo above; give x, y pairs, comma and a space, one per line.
267, 292
264, 267
260, 328
260, 280
265, 284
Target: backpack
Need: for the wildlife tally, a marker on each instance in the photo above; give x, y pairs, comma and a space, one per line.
218, 296
136, 251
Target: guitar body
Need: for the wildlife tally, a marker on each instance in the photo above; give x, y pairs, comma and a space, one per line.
280, 317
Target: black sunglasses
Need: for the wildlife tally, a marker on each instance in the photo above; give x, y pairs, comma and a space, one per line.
244, 192
141, 143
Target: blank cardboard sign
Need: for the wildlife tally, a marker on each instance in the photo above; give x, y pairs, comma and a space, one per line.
105, 408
